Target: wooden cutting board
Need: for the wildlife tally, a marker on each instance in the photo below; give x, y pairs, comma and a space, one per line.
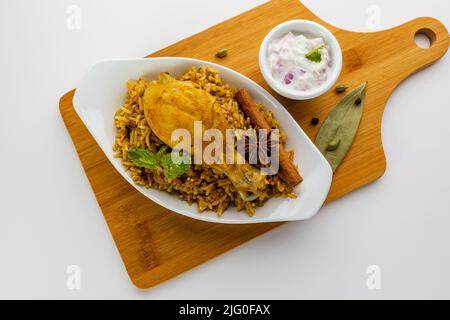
156, 244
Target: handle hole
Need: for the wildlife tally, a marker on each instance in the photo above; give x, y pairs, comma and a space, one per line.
425, 38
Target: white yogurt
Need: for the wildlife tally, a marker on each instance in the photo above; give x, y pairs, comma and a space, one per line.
289, 66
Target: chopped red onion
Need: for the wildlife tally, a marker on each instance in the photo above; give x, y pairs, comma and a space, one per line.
288, 77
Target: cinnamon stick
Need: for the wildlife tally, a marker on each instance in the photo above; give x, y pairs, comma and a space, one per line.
287, 171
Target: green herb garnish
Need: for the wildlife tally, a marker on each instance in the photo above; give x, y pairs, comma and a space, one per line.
144, 158
315, 55
161, 160
174, 169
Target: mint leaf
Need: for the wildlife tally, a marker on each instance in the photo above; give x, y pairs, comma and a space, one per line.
173, 169
315, 55
161, 160
161, 152
143, 158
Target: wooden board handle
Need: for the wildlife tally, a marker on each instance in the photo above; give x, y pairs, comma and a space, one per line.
419, 58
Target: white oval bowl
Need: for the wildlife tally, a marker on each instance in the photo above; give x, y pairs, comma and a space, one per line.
310, 29
103, 90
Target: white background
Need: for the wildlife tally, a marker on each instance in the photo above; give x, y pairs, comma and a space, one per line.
50, 219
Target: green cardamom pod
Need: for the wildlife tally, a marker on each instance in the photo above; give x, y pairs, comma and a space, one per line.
341, 88
333, 145
222, 53
338, 131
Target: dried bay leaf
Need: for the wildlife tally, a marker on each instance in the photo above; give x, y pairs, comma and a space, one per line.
342, 125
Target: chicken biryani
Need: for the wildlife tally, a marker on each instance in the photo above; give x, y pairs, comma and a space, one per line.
154, 109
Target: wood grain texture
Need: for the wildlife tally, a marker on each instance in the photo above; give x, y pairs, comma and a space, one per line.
156, 244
